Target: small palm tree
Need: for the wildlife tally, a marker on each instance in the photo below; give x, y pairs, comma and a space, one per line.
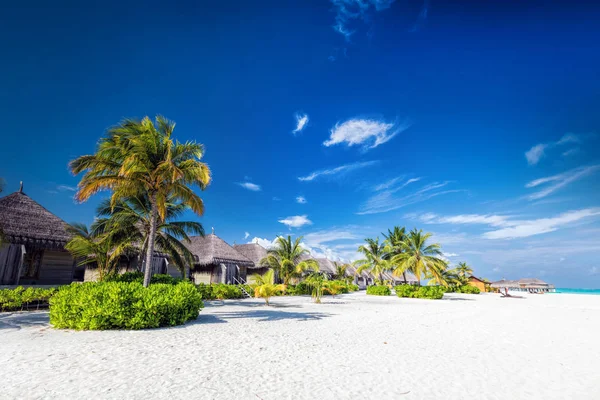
141, 158
101, 250
131, 217
318, 282
463, 271
286, 259
374, 260
420, 258
265, 287
341, 272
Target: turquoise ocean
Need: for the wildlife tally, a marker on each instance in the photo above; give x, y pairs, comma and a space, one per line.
578, 291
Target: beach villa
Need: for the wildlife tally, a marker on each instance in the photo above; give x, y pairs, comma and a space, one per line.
215, 261
255, 253
532, 285
33, 247
476, 282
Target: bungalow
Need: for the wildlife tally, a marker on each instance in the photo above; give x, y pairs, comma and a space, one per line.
532, 285
32, 249
215, 261
255, 253
476, 282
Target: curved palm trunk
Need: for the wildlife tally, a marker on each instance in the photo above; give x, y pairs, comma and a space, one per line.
404, 276
150, 249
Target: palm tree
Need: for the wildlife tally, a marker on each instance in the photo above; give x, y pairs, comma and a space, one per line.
286, 259
265, 287
420, 258
341, 270
102, 250
141, 158
463, 271
394, 239
374, 260
446, 277
131, 217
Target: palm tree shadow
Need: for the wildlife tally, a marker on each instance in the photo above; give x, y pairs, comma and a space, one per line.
456, 299
20, 320
273, 315
247, 303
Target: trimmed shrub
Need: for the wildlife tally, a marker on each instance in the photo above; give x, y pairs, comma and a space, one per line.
352, 287
467, 289
379, 290
123, 305
420, 292
125, 277
165, 278
300, 289
221, 291
20, 298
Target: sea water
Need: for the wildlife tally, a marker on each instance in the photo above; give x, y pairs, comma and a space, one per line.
578, 291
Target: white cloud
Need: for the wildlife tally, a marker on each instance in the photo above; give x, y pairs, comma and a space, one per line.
388, 200
537, 152
559, 181
392, 182
301, 121
266, 243
319, 243
326, 236
250, 186
492, 220
369, 133
296, 221
246, 235
349, 11
276, 199
451, 255
66, 188
571, 152
337, 171
301, 200
541, 225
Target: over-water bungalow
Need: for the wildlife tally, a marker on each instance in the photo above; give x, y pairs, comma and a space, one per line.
33, 244
215, 261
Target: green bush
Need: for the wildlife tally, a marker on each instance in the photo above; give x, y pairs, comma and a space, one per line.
352, 287
20, 298
165, 278
125, 277
467, 289
300, 289
221, 291
123, 305
420, 292
379, 290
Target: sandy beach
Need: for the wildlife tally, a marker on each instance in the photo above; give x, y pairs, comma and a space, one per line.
352, 347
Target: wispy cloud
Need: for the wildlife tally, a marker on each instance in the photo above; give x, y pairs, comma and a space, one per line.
66, 188
296, 221
537, 152
326, 243
246, 235
421, 17
301, 200
337, 171
250, 186
388, 200
301, 121
509, 227
368, 133
276, 198
349, 11
559, 181
392, 182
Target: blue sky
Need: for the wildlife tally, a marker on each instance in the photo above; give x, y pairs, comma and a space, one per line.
477, 121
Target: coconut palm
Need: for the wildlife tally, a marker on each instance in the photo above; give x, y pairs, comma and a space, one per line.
131, 217
286, 259
265, 287
445, 277
394, 239
463, 271
374, 260
101, 250
420, 258
341, 272
141, 158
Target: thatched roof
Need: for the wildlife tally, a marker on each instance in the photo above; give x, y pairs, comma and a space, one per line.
326, 266
504, 283
525, 282
254, 252
24, 221
211, 249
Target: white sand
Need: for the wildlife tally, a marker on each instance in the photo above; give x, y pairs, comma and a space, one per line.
352, 347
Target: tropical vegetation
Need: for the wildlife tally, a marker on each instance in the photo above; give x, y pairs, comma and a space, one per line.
374, 259
379, 290
265, 286
286, 259
419, 257
420, 292
140, 158
21, 299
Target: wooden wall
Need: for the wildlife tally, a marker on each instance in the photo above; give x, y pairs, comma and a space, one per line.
56, 268
202, 274
11, 258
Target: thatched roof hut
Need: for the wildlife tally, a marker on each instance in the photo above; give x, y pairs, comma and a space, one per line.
211, 249
254, 252
25, 221
326, 266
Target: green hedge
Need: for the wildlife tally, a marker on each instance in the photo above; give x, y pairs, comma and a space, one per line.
139, 278
221, 291
379, 290
467, 289
20, 298
420, 292
123, 305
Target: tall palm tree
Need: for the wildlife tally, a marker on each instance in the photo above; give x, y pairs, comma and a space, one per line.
463, 271
141, 158
286, 258
394, 239
102, 250
131, 216
375, 258
420, 258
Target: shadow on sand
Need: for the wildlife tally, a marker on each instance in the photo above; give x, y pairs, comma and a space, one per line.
272, 315
247, 303
19, 320
457, 298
